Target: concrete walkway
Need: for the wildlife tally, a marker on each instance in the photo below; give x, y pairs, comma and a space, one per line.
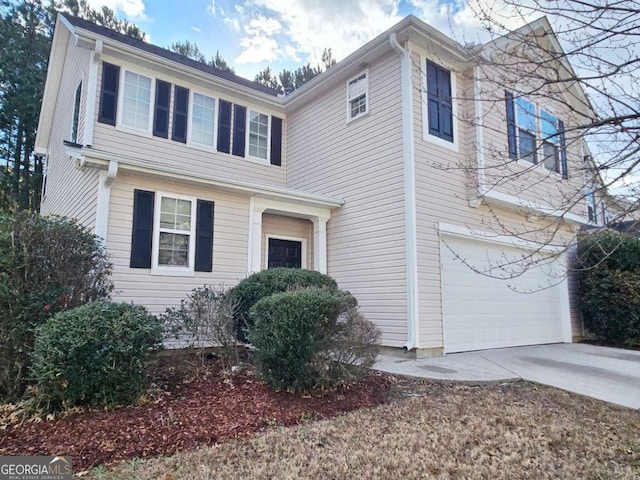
608, 374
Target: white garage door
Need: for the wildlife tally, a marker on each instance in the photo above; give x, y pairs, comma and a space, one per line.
481, 312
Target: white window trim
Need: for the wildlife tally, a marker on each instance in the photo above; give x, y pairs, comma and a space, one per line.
538, 167
303, 248
73, 113
367, 97
163, 269
250, 157
216, 115
426, 136
126, 128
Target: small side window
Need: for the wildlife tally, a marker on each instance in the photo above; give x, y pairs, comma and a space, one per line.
76, 114
357, 96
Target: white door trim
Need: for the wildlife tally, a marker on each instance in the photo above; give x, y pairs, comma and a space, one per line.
303, 248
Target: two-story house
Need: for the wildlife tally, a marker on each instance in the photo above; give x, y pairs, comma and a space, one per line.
402, 171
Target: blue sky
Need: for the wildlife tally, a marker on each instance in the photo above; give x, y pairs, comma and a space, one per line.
253, 34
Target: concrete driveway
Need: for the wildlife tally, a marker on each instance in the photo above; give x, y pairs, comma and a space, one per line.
609, 374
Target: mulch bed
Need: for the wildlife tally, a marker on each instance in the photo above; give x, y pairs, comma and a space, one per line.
181, 414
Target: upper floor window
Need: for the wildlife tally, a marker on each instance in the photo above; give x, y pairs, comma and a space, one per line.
439, 102
203, 115
258, 135
155, 106
357, 96
535, 135
136, 101
76, 114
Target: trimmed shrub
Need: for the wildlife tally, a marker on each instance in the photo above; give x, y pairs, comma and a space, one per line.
608, 286
268, 282
93, 355
47, 265
204, 319
311, 338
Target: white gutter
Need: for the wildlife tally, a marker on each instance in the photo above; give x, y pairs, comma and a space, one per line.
408, 154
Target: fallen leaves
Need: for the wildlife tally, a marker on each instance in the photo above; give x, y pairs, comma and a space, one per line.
209, 409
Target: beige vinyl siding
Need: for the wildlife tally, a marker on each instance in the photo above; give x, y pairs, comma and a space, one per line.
195, 160
280, 226
362, 163
443, 184
157, 292
70, 190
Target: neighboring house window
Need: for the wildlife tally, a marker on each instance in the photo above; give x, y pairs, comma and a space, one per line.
592, 207
136, 101
203, 114
439, 102
171, 234
535, 135
258, 135
76, 114
175, 232
357, 96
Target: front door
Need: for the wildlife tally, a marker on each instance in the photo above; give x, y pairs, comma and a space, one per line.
284, 253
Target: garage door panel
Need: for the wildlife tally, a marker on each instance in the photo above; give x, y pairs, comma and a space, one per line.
482, 312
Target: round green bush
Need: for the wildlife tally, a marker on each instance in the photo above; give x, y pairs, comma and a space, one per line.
608, 286
94, 355
267, 282
311, 338
47, 265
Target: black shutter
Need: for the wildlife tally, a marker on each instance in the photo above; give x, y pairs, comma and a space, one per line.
563, 151
180, 114
239, 130
224, 127
446, 106
109, 94
276, 141
511, 125
161, 114
204, 236
433, 99
142, 232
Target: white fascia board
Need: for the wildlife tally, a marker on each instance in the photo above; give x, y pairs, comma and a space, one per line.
101, 158
52, 84
180, 69
407, 25
512, 202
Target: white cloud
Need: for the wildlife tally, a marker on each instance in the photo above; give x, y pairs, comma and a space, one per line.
257, 43
300, 30
131, 9
212, 8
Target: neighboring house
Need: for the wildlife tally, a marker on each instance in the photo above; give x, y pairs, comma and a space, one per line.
194, 176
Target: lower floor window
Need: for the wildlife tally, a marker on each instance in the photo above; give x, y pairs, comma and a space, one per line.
175, 235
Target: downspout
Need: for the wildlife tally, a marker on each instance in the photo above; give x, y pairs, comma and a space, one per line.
408, 155
477, 93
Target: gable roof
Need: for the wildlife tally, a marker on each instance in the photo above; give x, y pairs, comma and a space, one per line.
83, 24
538, 30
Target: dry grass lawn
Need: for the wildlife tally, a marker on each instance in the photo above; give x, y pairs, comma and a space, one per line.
510, 431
